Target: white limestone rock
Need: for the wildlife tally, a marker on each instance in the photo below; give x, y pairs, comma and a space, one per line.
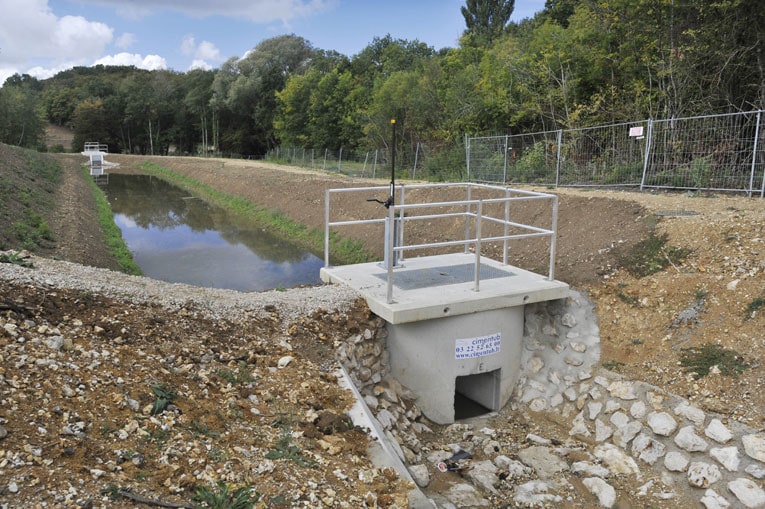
544, 462
692, 413
624, 435
638, 410
756, 471
662, 423
535, 494
647, 449
675, 461
590, 469
605, 492
711, 500
727, 456
594, 409
622, 390
579, 427
420, 475
616, 460
747, 492
602, 431
484, 475
703, 475
688, 440
754, 446
718, 432
464, 495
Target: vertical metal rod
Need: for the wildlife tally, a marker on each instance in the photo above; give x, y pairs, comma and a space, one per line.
467, 218
364, 169
389, 254
507, 227
392, 200
477, 270
400, 229
557, 158
326, 228
553, 241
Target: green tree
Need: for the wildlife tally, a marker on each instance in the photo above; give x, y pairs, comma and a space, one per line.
486, 19
88, 123
21, 114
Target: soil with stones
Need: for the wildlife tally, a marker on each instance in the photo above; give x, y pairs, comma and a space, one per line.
139, 402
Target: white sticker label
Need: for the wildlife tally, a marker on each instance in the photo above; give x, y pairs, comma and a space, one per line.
477, 347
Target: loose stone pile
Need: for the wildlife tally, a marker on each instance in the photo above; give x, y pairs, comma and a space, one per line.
619, 432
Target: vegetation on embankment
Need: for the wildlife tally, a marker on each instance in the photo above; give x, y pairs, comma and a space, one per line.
344, 250
28, 182
112, 234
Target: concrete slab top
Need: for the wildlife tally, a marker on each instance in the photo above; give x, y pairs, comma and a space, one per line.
444, 285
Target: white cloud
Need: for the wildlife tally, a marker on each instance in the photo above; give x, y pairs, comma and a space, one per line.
260, 11
125, 40
202, 53
30, 30
200, 64
149, 62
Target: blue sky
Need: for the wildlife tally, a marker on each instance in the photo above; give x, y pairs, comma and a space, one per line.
42, 37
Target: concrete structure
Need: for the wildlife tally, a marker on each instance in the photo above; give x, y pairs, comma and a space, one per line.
455, 322
446, 340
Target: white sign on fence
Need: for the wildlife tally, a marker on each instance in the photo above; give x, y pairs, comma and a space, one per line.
636, 132
470, 348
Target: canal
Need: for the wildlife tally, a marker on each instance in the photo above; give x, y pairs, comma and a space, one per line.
179, 238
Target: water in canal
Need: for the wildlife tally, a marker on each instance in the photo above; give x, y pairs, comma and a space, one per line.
178, 238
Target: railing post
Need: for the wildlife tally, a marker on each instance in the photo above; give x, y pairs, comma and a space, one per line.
553, 239
326, 228
400, 229
506, 231
557, 158
467, 217
477, 270
389, 254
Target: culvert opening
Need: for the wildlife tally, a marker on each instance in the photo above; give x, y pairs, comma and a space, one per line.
476, 395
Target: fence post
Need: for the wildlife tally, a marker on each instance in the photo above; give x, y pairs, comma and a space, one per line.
364, 169
467, 156
504, 166
754, 158
557, 158
324, 164
340, 161
374, 167
648, 137
416, 153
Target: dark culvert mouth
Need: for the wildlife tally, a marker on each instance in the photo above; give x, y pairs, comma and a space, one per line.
476, 395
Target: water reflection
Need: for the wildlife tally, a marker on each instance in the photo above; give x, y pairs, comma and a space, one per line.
178, 238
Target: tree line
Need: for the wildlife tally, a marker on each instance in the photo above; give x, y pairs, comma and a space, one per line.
575, 63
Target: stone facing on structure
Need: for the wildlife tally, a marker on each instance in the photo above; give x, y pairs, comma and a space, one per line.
627, 426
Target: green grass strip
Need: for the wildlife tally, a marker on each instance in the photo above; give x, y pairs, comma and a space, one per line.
112, 234
342, 250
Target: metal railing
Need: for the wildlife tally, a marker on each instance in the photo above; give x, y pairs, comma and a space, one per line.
477, 213
94, 146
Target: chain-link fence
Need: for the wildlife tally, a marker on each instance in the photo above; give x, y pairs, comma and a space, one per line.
418, 162
715, 152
